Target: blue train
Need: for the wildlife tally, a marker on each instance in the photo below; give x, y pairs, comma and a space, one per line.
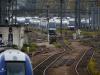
15, 62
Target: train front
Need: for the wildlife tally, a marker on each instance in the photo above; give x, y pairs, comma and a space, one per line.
15, 62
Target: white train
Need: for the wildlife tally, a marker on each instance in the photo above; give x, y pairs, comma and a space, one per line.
15, 62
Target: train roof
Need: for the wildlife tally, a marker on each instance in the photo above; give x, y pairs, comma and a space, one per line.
13, 55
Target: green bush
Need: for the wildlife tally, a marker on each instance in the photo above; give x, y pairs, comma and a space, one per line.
91, 42
14, 46
92, 67
85, 42
67, 42
24, 48
90, 34
32, 47
57, 45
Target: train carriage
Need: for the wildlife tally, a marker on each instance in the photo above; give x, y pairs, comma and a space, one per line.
15, 62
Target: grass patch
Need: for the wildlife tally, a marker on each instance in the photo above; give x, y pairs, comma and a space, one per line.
67, 42
32, 47
66, 31
14, 46
91, 42
57, 45
90, 34
92, 67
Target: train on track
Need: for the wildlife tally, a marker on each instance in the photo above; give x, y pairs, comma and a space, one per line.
15, 62
51, 32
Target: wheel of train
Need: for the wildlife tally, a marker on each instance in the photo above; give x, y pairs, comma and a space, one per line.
15, 62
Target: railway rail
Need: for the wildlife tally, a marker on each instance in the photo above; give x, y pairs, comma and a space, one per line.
82, 61
81, 66
42, 68
66, 51
39, 70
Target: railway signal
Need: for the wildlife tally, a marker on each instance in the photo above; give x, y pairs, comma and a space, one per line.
10, 37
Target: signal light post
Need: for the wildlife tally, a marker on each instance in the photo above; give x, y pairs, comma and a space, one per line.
10, 37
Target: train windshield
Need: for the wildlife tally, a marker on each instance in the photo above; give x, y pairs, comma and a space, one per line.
52, 32
15, 68
52, 25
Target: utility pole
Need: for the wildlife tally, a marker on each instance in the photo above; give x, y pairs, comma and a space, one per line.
12, 10
47, 15
98, 15
9, 19
89, 13
15, 12
0, 11
77, 14
61, 5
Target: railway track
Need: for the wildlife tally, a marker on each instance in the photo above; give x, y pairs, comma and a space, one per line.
42, 68
80, 63
81, 66
39, 70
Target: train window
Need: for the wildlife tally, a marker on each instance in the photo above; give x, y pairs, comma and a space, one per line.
52, 25
15, 68
52, 32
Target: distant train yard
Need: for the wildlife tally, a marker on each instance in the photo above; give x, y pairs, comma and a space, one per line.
49, 37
